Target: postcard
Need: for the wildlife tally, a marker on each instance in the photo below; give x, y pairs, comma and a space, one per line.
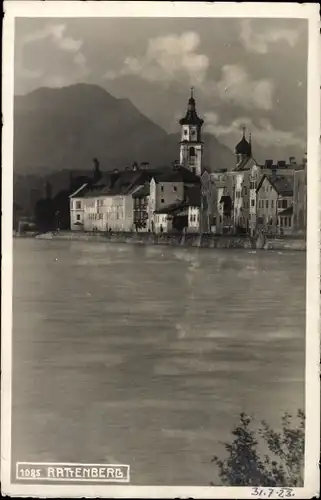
160, 250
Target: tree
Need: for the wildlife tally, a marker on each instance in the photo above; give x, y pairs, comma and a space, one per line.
283, 466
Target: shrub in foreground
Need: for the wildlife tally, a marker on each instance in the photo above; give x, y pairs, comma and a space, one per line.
283, 466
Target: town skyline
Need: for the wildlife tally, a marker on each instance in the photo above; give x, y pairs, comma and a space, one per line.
248, 72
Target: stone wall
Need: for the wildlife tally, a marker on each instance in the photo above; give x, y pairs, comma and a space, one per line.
185, 240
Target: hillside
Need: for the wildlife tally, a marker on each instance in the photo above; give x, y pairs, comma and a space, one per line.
65, 128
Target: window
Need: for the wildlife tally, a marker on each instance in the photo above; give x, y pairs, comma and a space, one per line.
283, 204
267, 204
192, 151
252, 203
272, 203
245, 190
290, 222
285, 221
78, 205
162, 189
78, 217
175, 188
162, 200
185, 131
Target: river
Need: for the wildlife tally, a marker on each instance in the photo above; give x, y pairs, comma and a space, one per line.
147, 355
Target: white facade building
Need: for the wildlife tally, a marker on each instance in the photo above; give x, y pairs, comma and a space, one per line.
77, 215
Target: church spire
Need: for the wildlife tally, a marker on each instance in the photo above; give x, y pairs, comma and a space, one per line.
191, 117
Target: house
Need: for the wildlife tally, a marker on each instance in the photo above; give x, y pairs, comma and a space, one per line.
242, 184
209, 200
285, 221
274, 195
193, 202
111, 206
77, 208
140, 204
179, 216
168, 188
257, 172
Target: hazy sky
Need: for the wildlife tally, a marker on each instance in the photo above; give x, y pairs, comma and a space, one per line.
250, 71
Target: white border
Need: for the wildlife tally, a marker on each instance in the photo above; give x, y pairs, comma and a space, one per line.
65, 9
75, 465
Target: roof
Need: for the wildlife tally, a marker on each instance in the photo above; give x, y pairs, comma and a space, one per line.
287, 211
246, 163
125, 181
243, 147
120, 183
180, 174
191, 117
79, 190
142, 191
193, 196
283, 185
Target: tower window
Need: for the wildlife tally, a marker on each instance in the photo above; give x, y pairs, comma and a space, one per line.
192, 151
162, 188
162, 200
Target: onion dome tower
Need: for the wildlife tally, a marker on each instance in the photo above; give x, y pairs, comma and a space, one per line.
243, 149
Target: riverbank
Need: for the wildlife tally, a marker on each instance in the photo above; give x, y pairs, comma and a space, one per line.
185, 240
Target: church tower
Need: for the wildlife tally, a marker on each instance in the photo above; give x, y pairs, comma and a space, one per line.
191, 145
243, 150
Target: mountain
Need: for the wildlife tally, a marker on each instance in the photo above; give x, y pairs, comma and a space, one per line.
56, 129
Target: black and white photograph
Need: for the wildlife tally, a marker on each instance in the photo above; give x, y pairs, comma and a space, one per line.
160, 250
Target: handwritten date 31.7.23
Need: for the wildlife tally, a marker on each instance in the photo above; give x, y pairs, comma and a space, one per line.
273, 492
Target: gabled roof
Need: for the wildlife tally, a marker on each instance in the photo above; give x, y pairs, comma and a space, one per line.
246, 164
80, 191
282, 184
